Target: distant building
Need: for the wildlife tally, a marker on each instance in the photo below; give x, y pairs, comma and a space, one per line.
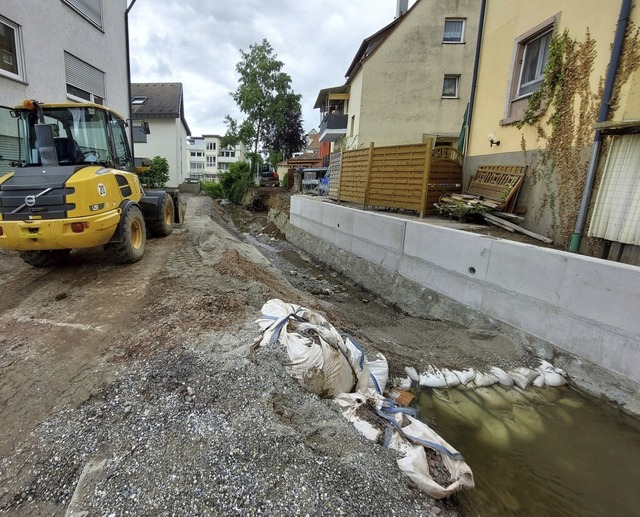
206, 158
162, 106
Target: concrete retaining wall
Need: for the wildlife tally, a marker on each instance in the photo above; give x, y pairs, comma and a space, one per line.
584, 306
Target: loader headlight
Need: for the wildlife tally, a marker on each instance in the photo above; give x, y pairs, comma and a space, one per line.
79, 227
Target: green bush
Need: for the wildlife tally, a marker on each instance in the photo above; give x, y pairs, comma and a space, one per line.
158, 173
212, 189
236, 181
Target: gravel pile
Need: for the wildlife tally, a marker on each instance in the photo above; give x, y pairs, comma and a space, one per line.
194, 432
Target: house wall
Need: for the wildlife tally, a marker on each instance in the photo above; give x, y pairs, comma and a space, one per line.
402, 92
582, 306
52, 28
354, 110
162, 132
503, 25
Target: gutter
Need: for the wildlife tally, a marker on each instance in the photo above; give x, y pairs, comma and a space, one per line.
126, 29
616, 50
474, 78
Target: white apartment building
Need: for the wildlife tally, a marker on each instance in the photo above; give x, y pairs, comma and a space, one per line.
40, 61
207, 158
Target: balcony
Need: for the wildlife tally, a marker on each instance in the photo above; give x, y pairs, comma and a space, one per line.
332, 127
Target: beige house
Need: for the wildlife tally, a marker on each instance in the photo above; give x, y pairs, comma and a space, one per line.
412, 79
542, 71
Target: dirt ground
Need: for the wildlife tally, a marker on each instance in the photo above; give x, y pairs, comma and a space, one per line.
128, 390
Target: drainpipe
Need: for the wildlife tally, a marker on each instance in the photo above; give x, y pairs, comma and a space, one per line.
623, 20
126, 29
474, 77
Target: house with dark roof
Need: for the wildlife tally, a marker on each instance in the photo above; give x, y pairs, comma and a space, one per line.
161, 105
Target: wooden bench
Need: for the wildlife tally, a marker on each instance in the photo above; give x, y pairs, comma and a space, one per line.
499, 184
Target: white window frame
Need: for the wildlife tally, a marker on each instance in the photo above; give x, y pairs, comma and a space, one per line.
81, 7
456, 77
19, 52
541, 61
516, 104
211, 161
461, 40
138, 100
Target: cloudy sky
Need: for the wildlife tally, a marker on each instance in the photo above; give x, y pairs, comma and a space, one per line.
197, 43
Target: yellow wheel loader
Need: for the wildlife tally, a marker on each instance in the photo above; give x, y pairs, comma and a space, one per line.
68, 183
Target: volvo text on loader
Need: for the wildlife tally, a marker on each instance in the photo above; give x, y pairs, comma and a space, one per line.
68, 183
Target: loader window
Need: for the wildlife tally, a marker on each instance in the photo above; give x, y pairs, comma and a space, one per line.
11, 145
121, 144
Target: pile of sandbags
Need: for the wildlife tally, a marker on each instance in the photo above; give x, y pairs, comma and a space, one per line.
332, 365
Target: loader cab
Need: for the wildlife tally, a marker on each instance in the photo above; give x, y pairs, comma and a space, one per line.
81, 134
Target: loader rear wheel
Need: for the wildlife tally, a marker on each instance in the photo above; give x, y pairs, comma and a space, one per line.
163, 226
45, 258
134, 240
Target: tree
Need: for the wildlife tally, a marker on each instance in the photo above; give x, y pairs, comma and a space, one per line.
264, 95
158, 173
283, 132
236, 181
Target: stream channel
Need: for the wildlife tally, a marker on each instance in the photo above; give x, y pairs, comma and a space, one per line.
544, 452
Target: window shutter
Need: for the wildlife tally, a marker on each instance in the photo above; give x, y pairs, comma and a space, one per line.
84, 76
91, 9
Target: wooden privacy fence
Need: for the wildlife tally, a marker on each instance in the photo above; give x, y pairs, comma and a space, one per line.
409, 177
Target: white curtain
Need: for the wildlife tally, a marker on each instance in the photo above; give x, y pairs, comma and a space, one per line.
616, 212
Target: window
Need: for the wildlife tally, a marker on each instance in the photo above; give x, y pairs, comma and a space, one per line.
90, 9
10, 50
211, 146
138, 100
531, 54
453, 31
536, 54
211, 161
450, 86
197, 154
196, 166
84, 82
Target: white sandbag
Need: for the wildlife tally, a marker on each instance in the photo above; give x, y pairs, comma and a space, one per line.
402, 383
415, 466
523, 376
433, 378
552, 376
465, 376
349, 403
412, 373
483, 379
323, 369
450, 377
374, 376
503, 377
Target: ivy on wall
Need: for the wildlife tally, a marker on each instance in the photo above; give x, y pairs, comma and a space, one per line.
564, 111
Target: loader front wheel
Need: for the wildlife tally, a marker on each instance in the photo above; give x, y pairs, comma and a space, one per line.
163, 226
45, 258
134, 240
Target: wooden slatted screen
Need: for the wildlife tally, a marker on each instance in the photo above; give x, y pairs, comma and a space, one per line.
353, 176
394, 176
334, 174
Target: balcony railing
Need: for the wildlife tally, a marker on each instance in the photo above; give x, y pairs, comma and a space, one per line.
332, 127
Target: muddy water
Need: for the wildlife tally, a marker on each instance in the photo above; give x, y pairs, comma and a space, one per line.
549, 452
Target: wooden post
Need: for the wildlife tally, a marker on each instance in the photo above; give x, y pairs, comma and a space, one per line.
340, 176
425, 176
367, 184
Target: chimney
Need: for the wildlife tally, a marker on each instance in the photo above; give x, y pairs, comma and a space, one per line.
403, 6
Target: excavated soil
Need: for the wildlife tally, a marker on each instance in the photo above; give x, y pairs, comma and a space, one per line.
129, 390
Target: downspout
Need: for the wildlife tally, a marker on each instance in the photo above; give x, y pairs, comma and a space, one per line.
126, 29
474, 77
623, 20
